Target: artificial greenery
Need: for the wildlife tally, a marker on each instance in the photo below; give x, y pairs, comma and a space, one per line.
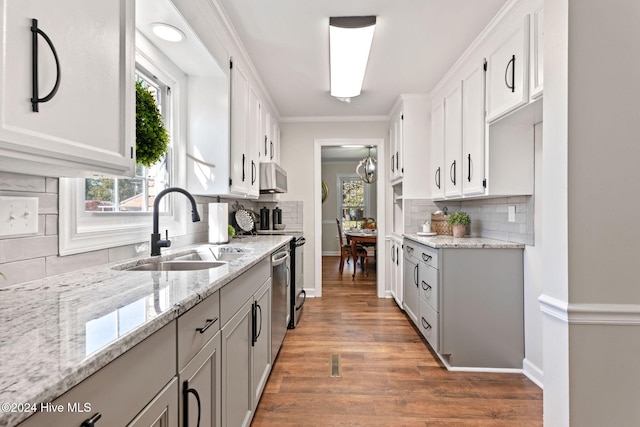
152, 138
232, 231
459, 218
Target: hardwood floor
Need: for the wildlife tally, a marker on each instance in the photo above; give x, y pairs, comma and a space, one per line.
389, 376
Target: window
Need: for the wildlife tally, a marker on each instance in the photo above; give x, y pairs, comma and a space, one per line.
353, 197
106, 212
124, 195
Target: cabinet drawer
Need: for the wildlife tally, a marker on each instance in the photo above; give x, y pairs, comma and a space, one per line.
235, 293
429, 324
196, 327
428, 285
120, 390
411, 250
428, 255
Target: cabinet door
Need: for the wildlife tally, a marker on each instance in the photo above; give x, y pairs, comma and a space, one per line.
274, 149
253, 143
437, 151
237, 405
88, 124
162, 411
202, 376
240, 166
396, 147
537, 54
507, 71
473, 131
410, 301
261, 341
398, 273
453, 143
265, 147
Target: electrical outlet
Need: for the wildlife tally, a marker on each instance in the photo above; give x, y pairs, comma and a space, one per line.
18, 215
512, 213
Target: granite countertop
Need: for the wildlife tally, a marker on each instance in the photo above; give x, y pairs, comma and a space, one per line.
57, 331
441, 241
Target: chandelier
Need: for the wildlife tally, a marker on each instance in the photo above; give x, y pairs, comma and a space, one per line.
368, 166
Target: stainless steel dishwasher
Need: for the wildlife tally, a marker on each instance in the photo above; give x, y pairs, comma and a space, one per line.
280, 282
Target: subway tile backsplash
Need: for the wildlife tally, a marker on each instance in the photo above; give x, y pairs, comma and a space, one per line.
489, 217
36, 256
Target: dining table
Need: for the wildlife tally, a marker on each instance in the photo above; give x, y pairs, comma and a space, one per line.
366, 237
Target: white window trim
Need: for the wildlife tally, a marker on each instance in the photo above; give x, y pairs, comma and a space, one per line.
112, 230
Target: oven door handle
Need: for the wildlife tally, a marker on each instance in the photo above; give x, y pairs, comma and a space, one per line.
279, 258
304, 298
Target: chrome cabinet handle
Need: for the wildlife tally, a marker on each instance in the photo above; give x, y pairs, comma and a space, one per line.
437, 177
253, 172
415, 275
207, 325
35, 99
393, 163
453, 175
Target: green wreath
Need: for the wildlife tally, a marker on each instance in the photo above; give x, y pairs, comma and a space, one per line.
152, 138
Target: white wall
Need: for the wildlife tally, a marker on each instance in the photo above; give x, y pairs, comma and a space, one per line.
297, 151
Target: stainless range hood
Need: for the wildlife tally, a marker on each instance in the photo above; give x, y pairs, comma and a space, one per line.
273, 179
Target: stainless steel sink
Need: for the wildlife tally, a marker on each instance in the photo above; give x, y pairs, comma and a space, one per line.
176, 266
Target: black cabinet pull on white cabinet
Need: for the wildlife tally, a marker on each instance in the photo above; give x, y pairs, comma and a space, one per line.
35, 99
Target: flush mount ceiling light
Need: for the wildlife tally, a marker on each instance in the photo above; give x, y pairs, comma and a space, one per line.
350, 40
167, 32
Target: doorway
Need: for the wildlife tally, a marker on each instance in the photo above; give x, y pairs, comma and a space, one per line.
346, 151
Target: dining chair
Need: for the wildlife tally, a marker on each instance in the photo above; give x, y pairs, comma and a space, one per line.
345, 251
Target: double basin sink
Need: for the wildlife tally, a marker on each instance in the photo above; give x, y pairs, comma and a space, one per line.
198, 259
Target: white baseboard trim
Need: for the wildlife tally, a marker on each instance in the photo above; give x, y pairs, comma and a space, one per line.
590, 314
533, 372
330, 253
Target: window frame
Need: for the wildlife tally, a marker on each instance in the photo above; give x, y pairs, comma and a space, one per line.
80, 233
340, 178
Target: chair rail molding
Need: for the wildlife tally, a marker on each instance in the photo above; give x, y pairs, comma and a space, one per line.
590, 314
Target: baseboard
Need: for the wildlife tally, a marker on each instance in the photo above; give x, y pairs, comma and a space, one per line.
330, 253
533, 372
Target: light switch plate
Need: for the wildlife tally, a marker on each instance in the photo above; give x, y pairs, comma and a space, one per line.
512, 213
18, 215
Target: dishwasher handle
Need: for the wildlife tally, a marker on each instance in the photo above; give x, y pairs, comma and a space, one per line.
280, 258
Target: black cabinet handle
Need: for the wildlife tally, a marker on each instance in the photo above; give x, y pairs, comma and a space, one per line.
271, 150
393, 253
511, 62
409, 249
265, 145
253, 324
426, 286
415, 274
253, 172
91, 422
453, 175
425, 324
393, 163
207, 325
426, 258
398, 161
397, 256
437, 177
259, 308
35, 100
469, 162
244, 158
185, 403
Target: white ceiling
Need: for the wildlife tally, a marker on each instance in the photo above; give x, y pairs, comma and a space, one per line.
342, 154
415, 43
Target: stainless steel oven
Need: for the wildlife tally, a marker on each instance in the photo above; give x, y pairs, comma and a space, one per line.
298, 295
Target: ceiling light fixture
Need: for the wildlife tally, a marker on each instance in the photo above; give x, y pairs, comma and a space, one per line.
167, 32
350, 40
369, 165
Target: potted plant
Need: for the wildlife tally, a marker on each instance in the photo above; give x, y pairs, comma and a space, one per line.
458, 222
152, 138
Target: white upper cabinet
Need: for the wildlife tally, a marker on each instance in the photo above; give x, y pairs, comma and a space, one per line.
240, 167
437, 150
507, 71
85, 68
253, 142
537, 53
473, 131
452, 172
396, 142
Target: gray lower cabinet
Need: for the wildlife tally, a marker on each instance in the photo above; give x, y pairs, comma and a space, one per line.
467, 303
246, 343
410, 281
136, 389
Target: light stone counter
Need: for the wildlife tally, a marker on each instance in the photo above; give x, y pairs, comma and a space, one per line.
446, 242
57, 331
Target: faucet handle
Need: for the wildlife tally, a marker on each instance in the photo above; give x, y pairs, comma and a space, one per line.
166, 243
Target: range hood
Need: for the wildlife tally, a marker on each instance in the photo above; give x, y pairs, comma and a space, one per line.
273, 179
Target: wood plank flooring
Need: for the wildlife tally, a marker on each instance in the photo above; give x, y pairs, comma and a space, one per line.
390, 377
